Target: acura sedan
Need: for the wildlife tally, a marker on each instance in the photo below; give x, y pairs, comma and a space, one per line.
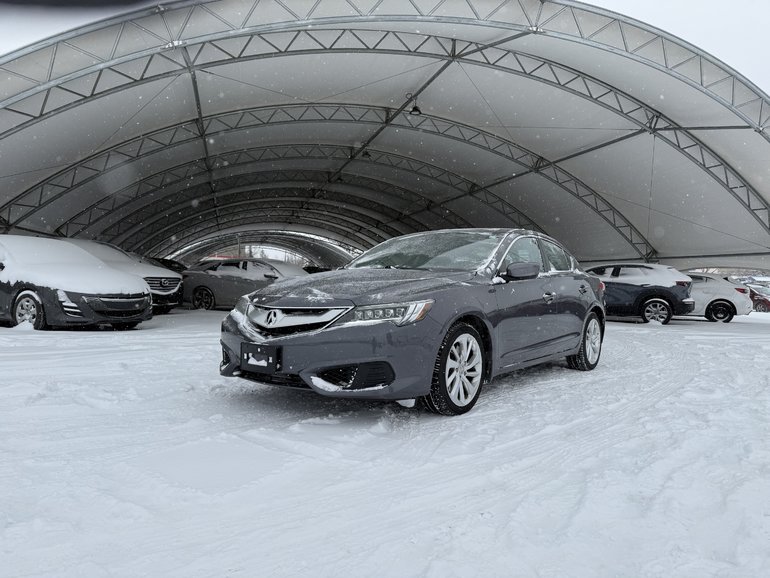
429, 317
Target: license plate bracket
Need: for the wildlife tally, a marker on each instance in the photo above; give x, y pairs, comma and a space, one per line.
258, 358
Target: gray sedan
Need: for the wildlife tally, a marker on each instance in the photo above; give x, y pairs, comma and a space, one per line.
219, 283
430, 316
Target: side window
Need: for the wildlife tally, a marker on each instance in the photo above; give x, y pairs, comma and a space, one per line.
523, 250
630, 272
556, 257
258, 271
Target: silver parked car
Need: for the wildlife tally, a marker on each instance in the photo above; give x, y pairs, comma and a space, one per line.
718, 299
219, 283
429, 316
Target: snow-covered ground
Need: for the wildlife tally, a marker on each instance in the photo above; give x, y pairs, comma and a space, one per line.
126, 454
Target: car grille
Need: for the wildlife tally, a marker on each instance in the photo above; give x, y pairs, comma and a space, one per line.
278, 322
125, 306
165, 284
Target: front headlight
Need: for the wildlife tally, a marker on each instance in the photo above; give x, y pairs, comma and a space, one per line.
398, 313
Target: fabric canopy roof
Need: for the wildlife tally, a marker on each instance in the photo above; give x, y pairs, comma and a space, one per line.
295, 122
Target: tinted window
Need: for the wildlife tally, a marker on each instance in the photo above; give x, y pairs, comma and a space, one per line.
556, 258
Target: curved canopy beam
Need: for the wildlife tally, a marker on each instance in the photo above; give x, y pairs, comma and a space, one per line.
187, 39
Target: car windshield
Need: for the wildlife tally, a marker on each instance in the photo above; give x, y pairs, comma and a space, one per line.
435, 251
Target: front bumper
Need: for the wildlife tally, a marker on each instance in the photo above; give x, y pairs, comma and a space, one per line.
70, 309
368, 361
160, 299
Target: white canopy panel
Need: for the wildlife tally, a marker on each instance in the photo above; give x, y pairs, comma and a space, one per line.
331, 126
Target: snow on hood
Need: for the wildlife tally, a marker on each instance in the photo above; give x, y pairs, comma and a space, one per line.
51, 263
117, 258
358, 286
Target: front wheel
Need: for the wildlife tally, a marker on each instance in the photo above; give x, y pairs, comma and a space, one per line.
720, 311
587, 356
760, 307
28, 307
202, 298
656, 309
458, 373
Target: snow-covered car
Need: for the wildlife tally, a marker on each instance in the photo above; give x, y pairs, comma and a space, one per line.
49, 283
220, 283
718, 299
649, 291
428, 317
760, 296
165, 285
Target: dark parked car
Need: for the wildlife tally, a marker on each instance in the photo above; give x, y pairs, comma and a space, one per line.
49, 283
165, 285
760, 297
649, 291
219, 283
430, 316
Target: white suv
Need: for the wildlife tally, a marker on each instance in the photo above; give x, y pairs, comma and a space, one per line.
717, 299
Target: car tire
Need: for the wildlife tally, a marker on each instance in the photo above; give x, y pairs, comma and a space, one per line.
656, 309
459, 372
720, 311
203, 298
124, 326
28, 307
760, 308
590, 350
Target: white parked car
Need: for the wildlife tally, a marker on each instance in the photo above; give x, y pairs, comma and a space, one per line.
718, 299
165, 285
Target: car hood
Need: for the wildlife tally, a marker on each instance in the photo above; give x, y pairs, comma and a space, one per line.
88, 278
344, 287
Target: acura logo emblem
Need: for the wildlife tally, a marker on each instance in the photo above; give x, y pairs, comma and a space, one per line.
271, 318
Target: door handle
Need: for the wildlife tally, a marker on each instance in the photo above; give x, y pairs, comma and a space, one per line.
549, 297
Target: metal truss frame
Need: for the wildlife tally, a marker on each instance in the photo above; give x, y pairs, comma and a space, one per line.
160, 43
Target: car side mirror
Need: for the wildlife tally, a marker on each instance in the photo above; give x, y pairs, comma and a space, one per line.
271, 276
521, 271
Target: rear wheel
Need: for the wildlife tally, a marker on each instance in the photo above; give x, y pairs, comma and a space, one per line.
458, 373
590, 346
28, 307
720, 311
656, 309
760, 307
203, 298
